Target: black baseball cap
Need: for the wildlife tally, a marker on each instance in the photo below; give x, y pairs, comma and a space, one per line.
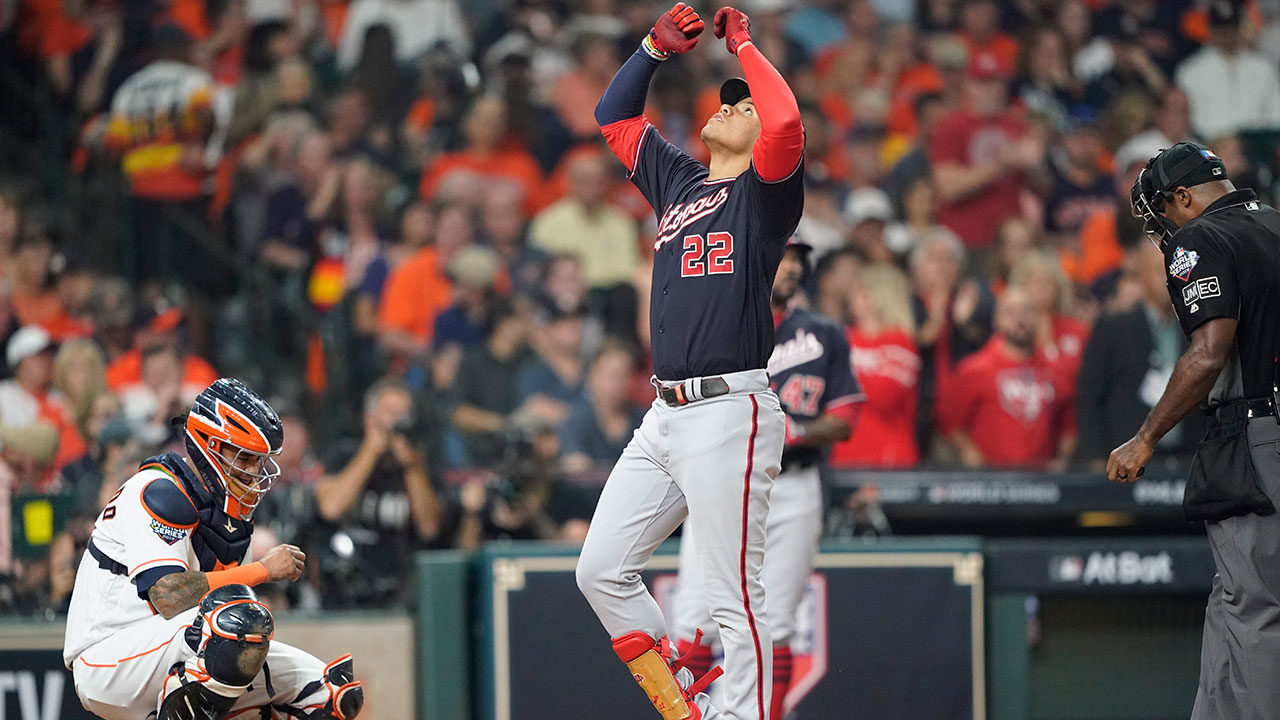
1186, 164
733, 90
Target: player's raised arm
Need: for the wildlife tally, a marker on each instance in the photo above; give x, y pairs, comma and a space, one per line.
781, 144
620, 110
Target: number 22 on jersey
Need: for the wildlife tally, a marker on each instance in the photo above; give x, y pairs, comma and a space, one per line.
718, 249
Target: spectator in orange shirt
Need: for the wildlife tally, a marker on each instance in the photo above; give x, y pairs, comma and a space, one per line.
161, 325
980, 30
576, 92
1097, 251
32, 295
488, 156
418, 290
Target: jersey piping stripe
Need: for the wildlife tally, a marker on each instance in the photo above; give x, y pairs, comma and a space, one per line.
171, 561
845, 400
799, 164
131, 657
742, 557
635, 160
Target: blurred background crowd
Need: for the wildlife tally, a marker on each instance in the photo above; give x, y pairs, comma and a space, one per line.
396, 220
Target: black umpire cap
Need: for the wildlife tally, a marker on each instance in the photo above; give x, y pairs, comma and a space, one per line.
733, 90
1185, 164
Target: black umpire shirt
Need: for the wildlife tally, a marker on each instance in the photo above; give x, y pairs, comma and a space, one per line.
1226, 263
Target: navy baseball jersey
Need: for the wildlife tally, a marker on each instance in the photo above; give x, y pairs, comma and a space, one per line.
811, 372
718, 247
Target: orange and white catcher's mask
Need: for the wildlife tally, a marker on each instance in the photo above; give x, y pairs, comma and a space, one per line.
227, 414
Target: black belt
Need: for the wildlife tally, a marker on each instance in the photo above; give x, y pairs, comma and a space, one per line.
677, 395
105, 562
1244, 408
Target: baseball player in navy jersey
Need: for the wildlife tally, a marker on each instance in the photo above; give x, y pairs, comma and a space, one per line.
163, 620
811, 372
710, 446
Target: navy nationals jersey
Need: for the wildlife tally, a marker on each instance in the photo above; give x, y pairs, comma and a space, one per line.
717, 249
811, 372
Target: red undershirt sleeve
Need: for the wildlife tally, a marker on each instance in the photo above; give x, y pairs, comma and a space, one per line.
781, 145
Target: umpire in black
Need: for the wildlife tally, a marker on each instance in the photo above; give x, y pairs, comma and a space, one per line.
1222, 252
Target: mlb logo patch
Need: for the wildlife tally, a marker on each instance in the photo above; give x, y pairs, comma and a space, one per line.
1208, 154
1183, 262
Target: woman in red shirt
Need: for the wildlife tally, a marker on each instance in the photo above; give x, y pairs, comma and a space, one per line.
887, 363
1060, 336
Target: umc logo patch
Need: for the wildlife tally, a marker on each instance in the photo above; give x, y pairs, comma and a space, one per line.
1199, 290
1183, 262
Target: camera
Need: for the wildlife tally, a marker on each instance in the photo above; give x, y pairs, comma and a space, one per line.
405, 426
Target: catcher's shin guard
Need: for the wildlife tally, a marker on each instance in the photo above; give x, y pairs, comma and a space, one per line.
189, 694
230, 634
650, 664
345, 693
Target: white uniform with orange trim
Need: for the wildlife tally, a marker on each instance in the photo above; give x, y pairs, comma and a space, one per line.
120, 650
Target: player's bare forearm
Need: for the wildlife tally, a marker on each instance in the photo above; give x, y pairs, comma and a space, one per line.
970, 455
1193, 377
955, 182
424, 504
178, 591
336, 494
826, 429
473, 419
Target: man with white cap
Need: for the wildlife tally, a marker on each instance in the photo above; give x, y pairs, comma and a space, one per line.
27, 397
868, 211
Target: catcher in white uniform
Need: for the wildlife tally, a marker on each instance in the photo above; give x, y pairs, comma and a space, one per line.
163, 621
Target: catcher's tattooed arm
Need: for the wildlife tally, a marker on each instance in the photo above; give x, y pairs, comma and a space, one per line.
178, 591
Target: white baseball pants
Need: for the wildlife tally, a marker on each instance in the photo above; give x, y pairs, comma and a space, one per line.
715, 461
120, 677
792, 534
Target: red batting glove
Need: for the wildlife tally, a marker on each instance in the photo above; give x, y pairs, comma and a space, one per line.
734, 26
676, 31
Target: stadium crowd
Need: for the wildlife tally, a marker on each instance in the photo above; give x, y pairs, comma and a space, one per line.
396, 219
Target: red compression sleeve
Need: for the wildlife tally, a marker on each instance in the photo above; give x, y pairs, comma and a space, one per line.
781, 142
